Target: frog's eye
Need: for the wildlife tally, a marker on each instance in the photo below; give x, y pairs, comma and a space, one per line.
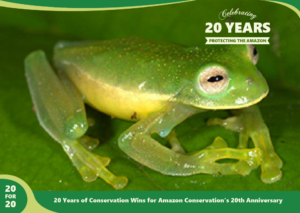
253, 53
213, 80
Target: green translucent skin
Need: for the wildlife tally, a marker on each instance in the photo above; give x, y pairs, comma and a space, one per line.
157, 84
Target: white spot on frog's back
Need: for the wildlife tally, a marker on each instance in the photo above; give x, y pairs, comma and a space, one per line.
127, 136
142, 85
241, 100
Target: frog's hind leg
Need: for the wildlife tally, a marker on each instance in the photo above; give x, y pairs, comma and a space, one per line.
61, 113
138, 144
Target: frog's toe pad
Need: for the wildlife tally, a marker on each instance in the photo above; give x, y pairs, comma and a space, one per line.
119, 182
271, 175
88, 142
219, 143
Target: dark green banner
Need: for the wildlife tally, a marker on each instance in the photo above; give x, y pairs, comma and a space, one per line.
17, 195
168, 201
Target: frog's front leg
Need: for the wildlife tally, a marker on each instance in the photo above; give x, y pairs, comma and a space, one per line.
61, 112
139, 145
249, 123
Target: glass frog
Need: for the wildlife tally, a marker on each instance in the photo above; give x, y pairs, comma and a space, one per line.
159, 85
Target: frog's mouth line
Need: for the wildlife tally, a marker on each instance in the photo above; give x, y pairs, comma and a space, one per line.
213, 107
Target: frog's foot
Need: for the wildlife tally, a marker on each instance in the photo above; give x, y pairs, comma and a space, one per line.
175, 144
90, 165
249, 123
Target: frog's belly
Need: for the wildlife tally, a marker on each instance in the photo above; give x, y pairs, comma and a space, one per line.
116, 101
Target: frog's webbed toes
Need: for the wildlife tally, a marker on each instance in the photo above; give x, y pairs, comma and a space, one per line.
91, 166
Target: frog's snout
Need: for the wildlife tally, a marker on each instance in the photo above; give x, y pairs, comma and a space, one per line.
257, 85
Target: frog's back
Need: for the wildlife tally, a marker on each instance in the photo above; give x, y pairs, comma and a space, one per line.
127, 78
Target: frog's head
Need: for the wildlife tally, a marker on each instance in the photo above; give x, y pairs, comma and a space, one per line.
227, 79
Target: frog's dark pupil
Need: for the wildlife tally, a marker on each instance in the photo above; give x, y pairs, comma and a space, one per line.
254, 51
215, 78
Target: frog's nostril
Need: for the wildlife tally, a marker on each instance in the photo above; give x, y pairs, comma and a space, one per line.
249, 81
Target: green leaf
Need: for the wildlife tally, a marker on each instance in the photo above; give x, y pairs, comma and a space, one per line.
28, 152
